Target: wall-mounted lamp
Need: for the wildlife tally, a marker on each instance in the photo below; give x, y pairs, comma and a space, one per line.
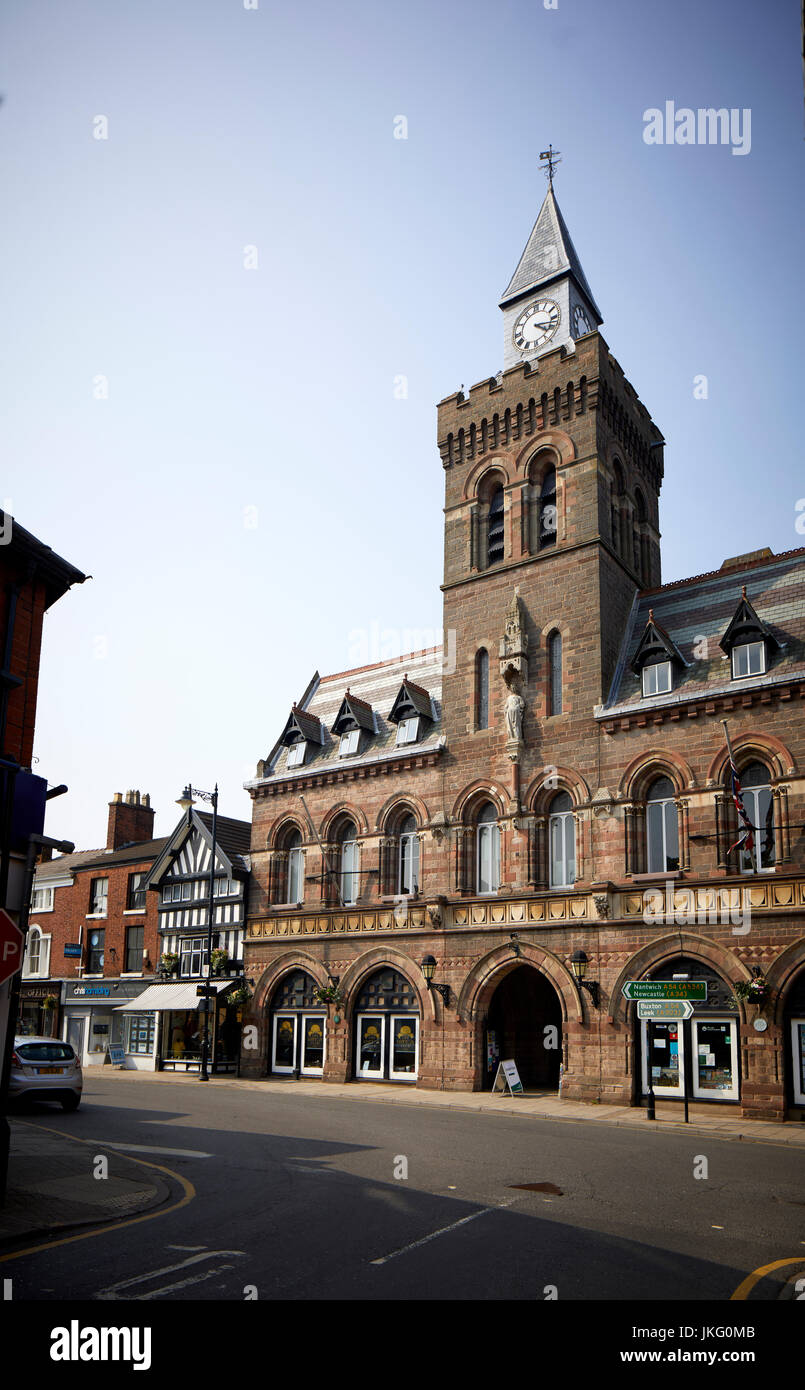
428, 970
578, 964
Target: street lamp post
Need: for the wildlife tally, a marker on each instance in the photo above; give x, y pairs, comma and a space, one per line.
186, 801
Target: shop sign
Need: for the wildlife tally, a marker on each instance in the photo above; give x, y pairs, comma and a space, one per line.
91, 992
73, 949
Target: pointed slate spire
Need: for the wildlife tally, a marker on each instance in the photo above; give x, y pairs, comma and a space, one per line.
549, 254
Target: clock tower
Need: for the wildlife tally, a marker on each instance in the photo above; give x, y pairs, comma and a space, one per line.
553, 469
548, 302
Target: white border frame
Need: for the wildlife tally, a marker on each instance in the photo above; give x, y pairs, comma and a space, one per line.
403, 1075
701, 1093
797, 1074
360, 1073
661, 1091
281, 1014
312, 1071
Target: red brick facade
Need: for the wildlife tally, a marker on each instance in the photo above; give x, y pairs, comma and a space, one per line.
575, 414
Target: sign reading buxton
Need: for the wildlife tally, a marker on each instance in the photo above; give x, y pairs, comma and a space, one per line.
664, 1008
665, 989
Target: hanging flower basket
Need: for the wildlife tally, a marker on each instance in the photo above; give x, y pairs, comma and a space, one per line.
168, 963
328, 994
754, 991
220, 961
241, 995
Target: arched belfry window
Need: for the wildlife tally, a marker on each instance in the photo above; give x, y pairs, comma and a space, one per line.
494, 533
547, 510
616, 508
482, 689
555, 673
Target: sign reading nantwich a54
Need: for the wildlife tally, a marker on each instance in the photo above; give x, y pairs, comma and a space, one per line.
665, 989
664, 1008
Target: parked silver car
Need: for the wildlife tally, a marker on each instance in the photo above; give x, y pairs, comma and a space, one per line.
45, 1069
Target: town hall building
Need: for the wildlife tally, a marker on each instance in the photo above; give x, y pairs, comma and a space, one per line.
462, 858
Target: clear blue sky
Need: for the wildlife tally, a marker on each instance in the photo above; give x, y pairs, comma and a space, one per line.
273, 389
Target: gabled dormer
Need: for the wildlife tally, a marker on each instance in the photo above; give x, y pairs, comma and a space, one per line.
656, 659
748, 641
355, 725
412, 712
301, 729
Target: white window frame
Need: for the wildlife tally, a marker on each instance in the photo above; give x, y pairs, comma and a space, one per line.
408, 729
350, 876
47, 895
651, 681
363, 1073
798, 1074
403, 1075
702, 1093
349, 743
43, 960
661, 1091
296, 753
151, 1029
749, 648
304, 1019
280, 1017
565, 822
296, 870
409, 840
752, 808
488, 831
667, 801
104, 899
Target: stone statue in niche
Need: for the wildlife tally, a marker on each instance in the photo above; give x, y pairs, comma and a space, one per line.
513, 651
515, 705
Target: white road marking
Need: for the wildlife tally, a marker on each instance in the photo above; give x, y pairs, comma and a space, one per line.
182, 1284
150, 1149
113, 1290
433, 1235
185, 1247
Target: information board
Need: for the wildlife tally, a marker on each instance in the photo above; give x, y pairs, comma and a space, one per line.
117, 1056
508, 1075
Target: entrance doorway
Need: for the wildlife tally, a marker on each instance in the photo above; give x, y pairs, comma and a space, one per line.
699, 1055
298, 1027
524, 1022
387, 1029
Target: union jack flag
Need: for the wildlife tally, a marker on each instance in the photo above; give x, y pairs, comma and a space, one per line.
746, 840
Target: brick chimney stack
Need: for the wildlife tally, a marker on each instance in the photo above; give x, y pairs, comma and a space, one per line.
131, 821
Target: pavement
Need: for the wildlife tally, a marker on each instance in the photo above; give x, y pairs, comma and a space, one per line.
52, 1186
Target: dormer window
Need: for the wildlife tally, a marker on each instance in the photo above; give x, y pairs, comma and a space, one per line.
349, 743
749, 659
748, 641
408, 729
655, 658
296, 753
657, 678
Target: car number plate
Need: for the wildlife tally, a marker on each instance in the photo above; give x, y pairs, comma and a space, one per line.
51, 1071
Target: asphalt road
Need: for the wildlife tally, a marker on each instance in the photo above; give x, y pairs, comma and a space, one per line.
299, 1199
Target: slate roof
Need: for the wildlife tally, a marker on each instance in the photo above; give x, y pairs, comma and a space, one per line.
377, 686
233, 836
538, 264
696, 613
64, 864
127, 854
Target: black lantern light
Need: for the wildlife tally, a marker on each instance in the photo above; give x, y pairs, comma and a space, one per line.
578, 964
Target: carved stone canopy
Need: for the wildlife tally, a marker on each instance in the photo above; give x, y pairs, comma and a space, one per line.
513, 650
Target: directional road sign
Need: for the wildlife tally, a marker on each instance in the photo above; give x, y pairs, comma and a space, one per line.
10, 947
664, 1008
665, 989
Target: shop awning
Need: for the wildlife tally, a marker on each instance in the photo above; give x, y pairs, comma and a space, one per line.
161, 997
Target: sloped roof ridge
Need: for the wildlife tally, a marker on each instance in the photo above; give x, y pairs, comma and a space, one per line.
376, 665
714, 574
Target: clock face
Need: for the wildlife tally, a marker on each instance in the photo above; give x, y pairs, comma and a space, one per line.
581, 323
536, 325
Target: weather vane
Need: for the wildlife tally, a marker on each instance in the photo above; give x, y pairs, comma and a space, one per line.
553, 159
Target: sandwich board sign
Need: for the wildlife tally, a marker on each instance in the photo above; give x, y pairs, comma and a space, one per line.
117, 1055
508, 1075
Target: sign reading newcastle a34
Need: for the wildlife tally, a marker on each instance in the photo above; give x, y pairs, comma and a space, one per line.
665, 989
10, 947
664, 1008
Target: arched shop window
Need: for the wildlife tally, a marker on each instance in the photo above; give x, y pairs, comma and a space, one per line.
699, 1054
759, 805
298, 1027
662, 827
387, 1028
